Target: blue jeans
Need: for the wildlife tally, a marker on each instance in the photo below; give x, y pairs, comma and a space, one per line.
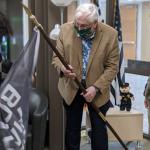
99, 137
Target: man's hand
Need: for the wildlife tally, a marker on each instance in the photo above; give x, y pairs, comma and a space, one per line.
90, 94
68, 73
146, 104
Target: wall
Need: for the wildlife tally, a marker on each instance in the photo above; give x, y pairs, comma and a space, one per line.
70, 11
145, 45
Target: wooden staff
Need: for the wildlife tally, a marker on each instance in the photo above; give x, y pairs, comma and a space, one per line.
39, 26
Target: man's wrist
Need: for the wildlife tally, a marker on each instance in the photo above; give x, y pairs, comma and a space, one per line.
96, 89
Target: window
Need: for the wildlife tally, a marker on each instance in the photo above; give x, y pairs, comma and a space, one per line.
135, 18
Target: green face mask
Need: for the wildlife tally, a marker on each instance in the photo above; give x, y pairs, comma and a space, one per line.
85, 33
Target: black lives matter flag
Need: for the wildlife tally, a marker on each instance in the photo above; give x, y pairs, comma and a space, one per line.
14, 94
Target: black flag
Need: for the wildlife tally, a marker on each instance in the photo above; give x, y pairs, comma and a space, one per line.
14, 94
120, 78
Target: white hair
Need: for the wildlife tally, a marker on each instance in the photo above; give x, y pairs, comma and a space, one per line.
88, 11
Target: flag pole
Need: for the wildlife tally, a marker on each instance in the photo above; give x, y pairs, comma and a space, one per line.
39, 26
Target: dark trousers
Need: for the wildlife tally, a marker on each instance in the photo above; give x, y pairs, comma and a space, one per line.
99, 138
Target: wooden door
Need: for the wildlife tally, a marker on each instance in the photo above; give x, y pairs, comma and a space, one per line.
128, 19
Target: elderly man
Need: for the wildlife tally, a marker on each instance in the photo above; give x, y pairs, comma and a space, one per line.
91, 50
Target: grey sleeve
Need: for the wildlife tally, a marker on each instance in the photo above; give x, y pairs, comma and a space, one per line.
147, 90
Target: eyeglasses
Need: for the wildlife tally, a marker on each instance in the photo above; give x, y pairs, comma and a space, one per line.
82, 26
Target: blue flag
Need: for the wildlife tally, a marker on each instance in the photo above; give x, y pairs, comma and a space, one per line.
120, 78
14, 95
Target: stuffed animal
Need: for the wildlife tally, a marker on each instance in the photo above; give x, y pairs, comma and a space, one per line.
126, 97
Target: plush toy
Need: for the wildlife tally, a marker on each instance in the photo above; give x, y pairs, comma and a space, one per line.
126, 97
